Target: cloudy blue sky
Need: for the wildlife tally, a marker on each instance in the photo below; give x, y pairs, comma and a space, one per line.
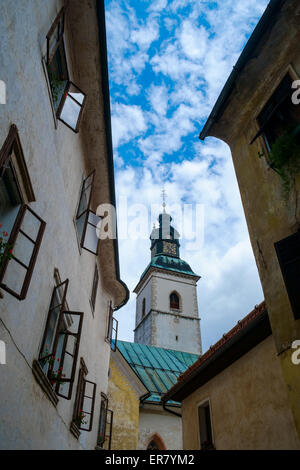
168, 61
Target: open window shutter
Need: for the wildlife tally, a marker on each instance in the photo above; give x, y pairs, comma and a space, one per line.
55, 35
89, 239
279, 96
25, 240
49, 342
86, 194
71, 106
114, 334
71, 333
102, 421
109, 428
288, 253
6, 149
109, 323
87, 405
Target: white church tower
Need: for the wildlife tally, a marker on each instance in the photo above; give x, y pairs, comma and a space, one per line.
166, 304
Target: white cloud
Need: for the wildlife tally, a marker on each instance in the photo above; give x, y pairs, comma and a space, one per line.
229, 285
144, 35
188, 68
158, 97
127, 123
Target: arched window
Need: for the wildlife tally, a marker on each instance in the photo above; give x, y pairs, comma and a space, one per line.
143, 308
156, 443
174, 301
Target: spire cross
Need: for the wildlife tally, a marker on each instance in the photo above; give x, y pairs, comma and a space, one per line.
164, 197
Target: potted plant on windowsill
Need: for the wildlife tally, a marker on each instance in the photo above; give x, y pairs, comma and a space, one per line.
284, 158
79, 421
6, 252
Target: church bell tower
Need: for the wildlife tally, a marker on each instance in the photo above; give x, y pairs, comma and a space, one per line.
166, 303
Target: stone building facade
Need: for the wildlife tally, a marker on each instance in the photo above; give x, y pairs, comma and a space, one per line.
235, 397
258, 116
61, 284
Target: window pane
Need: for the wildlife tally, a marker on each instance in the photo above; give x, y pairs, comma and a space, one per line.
58, 75
80, 222
14, 276
76, 94
10, 200
70, 112
31, 225
23, 249
91, 240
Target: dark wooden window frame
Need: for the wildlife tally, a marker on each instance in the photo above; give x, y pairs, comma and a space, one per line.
80, 396
58, 26
87, 211
278, 98
58, 23
112, 329
94, 288
58, 331
107, 423
288, 260
66, 94
12, 143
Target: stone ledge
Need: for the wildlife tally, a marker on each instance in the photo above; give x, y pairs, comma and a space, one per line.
44, 383
74, 430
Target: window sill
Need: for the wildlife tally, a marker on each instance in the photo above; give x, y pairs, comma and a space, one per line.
74, 430
44, 383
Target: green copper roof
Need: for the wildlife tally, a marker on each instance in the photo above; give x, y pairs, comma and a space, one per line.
171, 264
157, 368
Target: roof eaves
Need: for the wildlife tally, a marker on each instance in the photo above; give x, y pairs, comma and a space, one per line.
270, 14
108, 134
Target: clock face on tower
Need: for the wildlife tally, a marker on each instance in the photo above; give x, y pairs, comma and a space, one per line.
169, 248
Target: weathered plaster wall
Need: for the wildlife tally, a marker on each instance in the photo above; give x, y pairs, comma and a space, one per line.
146, 293
268, 216
124, 401
172, 331
249, 405
153, 420
56, 161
